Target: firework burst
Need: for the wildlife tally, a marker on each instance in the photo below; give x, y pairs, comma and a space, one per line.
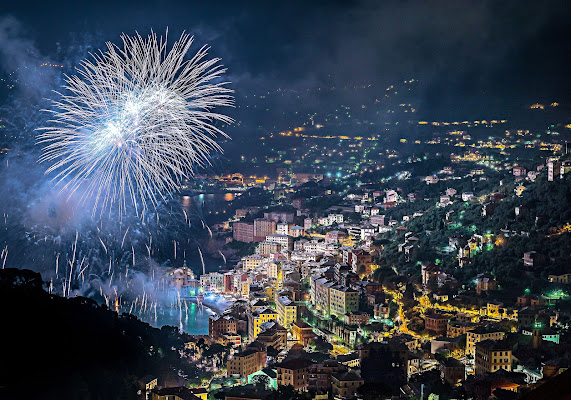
135, 122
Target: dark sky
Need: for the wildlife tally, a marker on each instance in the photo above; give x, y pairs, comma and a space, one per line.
458, 49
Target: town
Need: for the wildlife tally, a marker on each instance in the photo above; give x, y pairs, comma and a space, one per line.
412, 278
301, 200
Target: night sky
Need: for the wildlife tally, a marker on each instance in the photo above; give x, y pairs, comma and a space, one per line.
464, 52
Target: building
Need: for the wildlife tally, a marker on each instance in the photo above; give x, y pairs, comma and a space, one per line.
533, 259
212, 282
342, 300
177, 393
564, 278
479, 335
243, 212
232, 339
453, 371
564, 169
247, 362
458, 328
519, 171
429, 271
302, 332
263, 228
229, 283
147, 384
278, 216
320, 294
492, 356
320, 375
266, 248
282, 228
431, 179
287, 311
243, 232
294, 372
296, 231
356, 318
221, 325
486, 283
553, 166
274, 335
531, 301
436, 323
381, 311
284, 240
273, 270
528, 316
257, 318
345, 384
252, 261
335, 236
493, 309
184, 279
467, 196
358, 257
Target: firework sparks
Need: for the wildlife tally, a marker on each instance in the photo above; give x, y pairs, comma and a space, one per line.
135, 122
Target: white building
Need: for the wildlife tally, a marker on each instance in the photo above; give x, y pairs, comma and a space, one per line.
296, 231
467, 196
431, 179
282, 229
391, 196
285, 240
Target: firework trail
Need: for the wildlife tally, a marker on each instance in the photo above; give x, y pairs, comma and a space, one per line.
202, 261
135, 122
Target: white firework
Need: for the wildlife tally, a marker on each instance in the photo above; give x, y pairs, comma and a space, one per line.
135, 122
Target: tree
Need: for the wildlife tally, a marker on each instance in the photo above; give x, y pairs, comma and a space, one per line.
261, 380
432, 285
288, 393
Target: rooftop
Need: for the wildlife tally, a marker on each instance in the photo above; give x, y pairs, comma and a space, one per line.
295, 363
494, 345
180, 392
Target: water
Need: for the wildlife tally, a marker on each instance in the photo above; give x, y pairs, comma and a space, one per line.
193, 321
190, 318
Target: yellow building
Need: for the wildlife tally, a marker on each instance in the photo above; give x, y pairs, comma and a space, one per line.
245, 289
342, 300
257, 318
252, 261
492, 356
247, 362
271, 293
519, 190
287, 311
280, 280
565, 278
493, 310
479, 335
272, 270
345, 384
